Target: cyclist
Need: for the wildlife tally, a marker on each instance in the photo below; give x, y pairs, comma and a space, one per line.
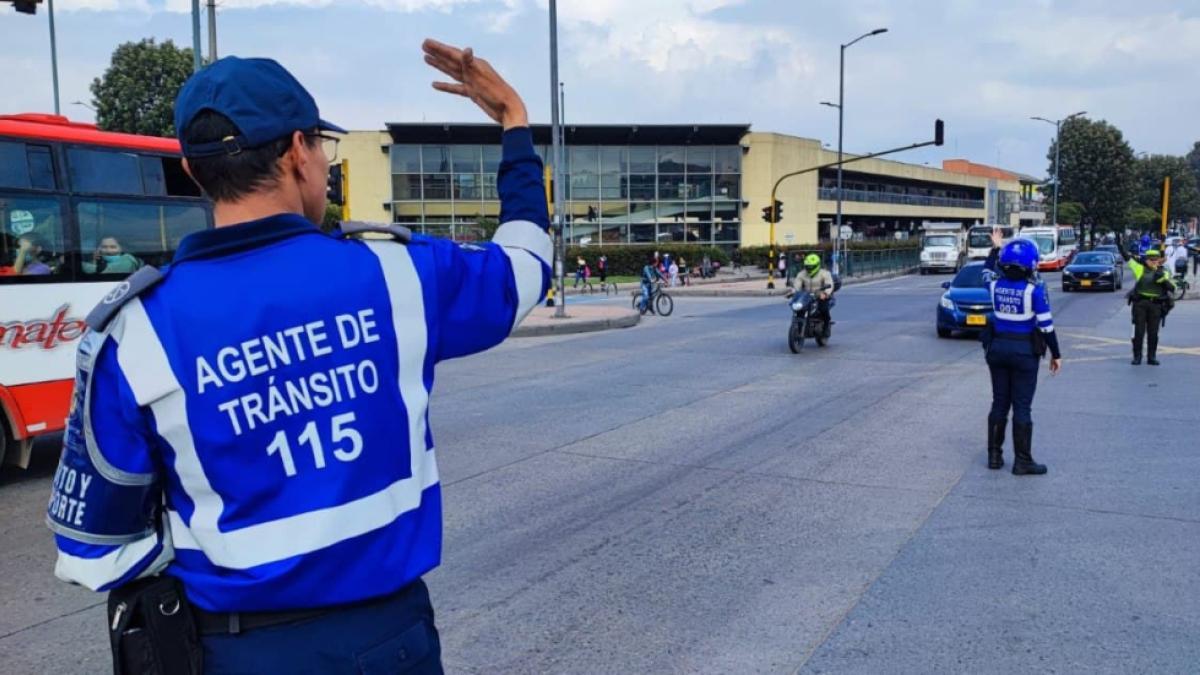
650, 274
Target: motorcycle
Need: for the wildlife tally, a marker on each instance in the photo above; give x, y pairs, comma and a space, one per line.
806, 321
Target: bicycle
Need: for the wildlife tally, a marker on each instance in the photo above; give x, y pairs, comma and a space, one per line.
607, 287
1181, 287
660, 302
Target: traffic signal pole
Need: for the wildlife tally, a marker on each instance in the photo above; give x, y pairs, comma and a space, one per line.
938, 139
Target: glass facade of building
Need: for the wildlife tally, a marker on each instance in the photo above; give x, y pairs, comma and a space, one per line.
615, 194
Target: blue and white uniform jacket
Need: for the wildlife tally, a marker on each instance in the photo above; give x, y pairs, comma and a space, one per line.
257, 423
1019, 307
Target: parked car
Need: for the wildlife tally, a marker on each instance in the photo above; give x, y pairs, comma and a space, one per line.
1094, 270
967, 303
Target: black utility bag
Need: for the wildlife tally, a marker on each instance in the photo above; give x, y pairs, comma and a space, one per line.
152, 629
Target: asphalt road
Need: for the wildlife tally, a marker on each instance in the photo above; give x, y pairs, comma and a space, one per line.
688, 496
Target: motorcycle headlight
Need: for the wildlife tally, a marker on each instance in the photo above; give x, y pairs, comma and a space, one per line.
947, 302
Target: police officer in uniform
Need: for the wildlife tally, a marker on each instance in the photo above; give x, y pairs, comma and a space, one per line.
250, 422
1018, 338
1150, 293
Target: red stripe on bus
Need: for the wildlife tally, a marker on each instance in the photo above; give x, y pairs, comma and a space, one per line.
57, 128
33, 405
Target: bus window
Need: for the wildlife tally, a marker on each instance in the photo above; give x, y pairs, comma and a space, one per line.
104, 172
32, 241
26, 167
118, 237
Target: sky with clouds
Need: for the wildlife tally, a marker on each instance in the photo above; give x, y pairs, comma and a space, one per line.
983, 66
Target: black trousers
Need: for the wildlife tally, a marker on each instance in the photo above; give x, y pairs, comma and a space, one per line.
1014, 382
1147, 317
395, 636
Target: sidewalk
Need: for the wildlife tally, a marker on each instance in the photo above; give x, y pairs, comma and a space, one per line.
722, 277
579, 319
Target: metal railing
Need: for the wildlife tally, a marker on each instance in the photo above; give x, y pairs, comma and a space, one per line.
830, 194
866, 262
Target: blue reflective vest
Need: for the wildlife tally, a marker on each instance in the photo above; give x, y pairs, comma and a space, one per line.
257, 423
1019, 306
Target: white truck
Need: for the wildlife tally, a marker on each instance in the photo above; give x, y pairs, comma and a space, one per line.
943, 247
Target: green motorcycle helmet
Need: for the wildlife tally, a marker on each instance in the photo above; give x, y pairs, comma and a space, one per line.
812, 263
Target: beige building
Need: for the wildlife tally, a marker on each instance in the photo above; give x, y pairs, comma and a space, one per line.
648, 184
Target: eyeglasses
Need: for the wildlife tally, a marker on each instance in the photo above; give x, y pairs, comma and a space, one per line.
329, 144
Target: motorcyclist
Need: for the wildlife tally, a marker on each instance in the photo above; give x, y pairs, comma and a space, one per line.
817, 280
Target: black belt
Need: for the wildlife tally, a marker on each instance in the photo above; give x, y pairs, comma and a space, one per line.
232, 623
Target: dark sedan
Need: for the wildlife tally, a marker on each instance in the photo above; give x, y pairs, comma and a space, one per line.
967, 303
1093, 270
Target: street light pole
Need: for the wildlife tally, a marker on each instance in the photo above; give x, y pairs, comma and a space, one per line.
841, 106
560, 309
212, 30
197, 63
1057, 150
53, 57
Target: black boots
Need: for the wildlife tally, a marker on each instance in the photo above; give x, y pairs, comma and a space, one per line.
996, 442
1137, 353
1023, 464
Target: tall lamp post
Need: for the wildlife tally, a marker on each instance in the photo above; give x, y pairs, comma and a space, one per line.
841, 108
1057, 147
560, 310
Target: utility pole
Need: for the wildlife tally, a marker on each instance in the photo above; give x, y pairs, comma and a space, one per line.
560, 308
197, 62
212, 30
54, 56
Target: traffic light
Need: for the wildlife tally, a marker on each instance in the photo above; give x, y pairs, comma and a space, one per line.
26, 6
939, 132
333, 185
778, 212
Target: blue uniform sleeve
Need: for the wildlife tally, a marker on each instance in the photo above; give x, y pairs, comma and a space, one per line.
104, 506
992, 259
483, 292
1045, 319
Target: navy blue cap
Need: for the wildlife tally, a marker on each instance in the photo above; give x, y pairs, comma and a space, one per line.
259, 96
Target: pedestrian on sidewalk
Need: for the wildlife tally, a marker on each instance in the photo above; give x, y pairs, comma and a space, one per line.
1015, 343
706, 267
673, 274
580, 264
242, 537
602, 269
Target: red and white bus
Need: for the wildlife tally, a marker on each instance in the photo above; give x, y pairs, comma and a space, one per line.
80, 209
1056, 245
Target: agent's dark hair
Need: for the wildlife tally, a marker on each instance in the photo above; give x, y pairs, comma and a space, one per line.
1016, 272
225, 177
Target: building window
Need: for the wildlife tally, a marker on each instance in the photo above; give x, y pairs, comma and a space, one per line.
435, 159
437, 185
671, 159
406, 186
405, 158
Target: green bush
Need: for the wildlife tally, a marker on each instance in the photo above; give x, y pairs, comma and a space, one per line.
629, 260
759, 255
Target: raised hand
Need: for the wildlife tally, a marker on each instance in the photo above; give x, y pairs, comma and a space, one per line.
475, 79
997, 237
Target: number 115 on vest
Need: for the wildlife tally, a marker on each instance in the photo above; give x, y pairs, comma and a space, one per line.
346, 442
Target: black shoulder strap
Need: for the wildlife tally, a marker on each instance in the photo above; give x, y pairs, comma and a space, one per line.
125, 291
399, 233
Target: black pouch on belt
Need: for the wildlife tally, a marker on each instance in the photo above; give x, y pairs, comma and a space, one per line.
1038, 338
152, 629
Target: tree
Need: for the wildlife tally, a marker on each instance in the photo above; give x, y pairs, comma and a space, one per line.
1070, 213
1144, 218
1193, 159
137, 93
1185, 195
1096, 170
488, 224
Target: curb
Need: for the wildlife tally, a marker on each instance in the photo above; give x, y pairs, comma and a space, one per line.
559, 327
779, 291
